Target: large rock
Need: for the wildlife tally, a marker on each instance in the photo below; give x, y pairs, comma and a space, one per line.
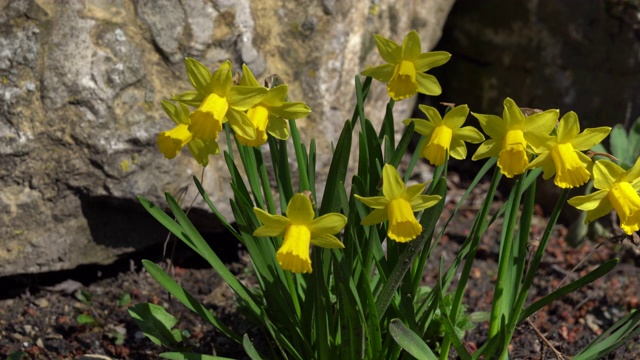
80, 91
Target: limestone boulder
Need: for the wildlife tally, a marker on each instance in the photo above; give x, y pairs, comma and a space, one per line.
80, 90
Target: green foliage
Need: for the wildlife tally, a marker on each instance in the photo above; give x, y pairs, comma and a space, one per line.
157, 324
368, 300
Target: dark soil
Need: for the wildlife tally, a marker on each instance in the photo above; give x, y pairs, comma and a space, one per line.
39, 314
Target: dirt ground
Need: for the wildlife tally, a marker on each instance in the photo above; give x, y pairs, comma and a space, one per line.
40, 316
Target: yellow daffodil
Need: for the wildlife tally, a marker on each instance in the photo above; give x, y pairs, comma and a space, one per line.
618, 189
561, 154
406, 64
300, 230
511, 135
398, 206
220, 101
172, 141
269, 114
445, 135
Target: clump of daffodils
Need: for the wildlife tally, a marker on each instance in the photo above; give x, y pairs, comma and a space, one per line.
251, 110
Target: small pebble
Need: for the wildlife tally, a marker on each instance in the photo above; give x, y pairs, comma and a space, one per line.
120, 35
42, 302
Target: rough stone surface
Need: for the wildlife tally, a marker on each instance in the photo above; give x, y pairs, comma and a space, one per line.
80, 90
571, 55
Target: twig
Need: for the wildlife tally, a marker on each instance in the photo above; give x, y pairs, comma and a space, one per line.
558, 354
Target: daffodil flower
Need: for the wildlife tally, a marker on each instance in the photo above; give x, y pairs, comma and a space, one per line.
398, 206
220, 101
561, 154
406, 64
445, 135
618, 189
172, 141
511, 135
268, 116
300, 230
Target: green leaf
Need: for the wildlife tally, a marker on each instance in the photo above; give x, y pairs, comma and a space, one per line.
187, 299
86, 319
124, 300
248, 347
156, 323
634, 139
337, 171
190, 356
599, 272
17, 355
199, 75
623, 330
618, 140
410, 341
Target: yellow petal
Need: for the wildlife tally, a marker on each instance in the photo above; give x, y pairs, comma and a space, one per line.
424, 201
513, 159
388, 50
331, 223
568, 127
259, 117
626, 202
381, 73
458, 149
606, 174
375, 217
327, 241
293, 255
201, 149
392, 184
429, 60
436, 149
603, 208
273, 225
588, 202
172, 141
542, 123
275, 97
493, 125
468, 134
403, 225
513, 116
413, 191
278, 127
221, 80
632, 176
243, 97
570, 172
206, 121
291, 110
489, 148
247, 77
403, 82
300, 211
432, 114
456, 116
422, 127
590, 137
411, 46
428, 84
374, 202
241, 125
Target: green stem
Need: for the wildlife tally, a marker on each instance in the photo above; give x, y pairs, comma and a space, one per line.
300, 156
533, 267
478, 229
501, 296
